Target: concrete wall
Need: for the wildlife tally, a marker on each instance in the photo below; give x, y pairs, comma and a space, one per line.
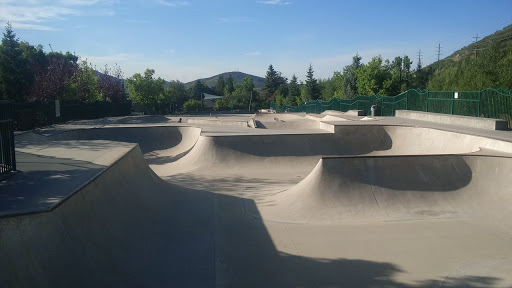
475, 122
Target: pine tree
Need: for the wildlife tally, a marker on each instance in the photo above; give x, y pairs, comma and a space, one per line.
219, 86
229, 86
293, 91
312, 91
13, 68
273, 80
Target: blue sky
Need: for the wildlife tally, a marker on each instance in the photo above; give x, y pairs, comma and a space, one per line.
186, 40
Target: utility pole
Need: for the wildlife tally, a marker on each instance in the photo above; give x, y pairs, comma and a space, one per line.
476, 45
419, 59
438, 55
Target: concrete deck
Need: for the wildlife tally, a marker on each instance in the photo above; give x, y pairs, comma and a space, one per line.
304, 201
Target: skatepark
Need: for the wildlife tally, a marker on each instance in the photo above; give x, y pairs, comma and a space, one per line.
259, 200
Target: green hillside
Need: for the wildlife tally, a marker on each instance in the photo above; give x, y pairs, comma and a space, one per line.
502, 37
237, 77
484, 64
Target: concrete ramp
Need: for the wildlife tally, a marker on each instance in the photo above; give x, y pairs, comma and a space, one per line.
397, 188
288, 121
159, 144
123, 229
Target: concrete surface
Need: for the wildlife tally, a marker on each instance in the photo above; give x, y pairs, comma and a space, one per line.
475, 122
336, 202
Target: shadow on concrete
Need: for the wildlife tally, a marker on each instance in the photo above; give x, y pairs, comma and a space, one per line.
148, 138
42, 182
151, 119
247, 257
130, 229
376, 139
156, 159
427, 173
260, 125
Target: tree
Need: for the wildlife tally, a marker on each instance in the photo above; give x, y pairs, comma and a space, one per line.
327, 88
145, 89
337, 79
350, 88
407, 75
110, 84
273, 80
229, 86
312, 89
371, 77
53, 81
13, 67
492, 69
219, 86
240, 97
84, 84
196, 90
175, 94
35, 59
293, 91
192, 105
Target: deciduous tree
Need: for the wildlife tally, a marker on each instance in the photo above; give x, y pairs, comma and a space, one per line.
145, 89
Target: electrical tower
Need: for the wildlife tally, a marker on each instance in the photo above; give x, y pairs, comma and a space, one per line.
419, 59
438, 55
476, 45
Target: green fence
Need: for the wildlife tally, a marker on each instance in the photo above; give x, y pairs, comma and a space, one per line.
30, 115
488, 103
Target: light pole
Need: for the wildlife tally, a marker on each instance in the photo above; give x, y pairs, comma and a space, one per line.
250, 102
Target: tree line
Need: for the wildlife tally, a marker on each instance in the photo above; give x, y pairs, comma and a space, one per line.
491, 69
29, 73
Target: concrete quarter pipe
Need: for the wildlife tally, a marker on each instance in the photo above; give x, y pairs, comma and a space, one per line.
360, 207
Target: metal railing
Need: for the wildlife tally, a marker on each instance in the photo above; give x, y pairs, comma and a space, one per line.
7, 151
488, 103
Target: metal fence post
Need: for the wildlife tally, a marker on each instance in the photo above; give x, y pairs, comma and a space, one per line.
426, 103
453, 102
479, 102
13, 151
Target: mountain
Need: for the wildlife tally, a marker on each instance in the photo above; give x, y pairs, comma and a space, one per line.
237, 77
503, 37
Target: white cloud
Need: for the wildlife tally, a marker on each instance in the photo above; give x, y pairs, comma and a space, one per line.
17, 25
34, 14
170, 51
275, 2
174, 3
30, 14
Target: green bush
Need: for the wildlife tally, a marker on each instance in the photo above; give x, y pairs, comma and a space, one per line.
192, 105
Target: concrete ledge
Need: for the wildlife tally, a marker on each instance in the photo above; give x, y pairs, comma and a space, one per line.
474, 122
218, 122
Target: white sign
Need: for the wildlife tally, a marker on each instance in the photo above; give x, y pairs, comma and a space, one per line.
456, 95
